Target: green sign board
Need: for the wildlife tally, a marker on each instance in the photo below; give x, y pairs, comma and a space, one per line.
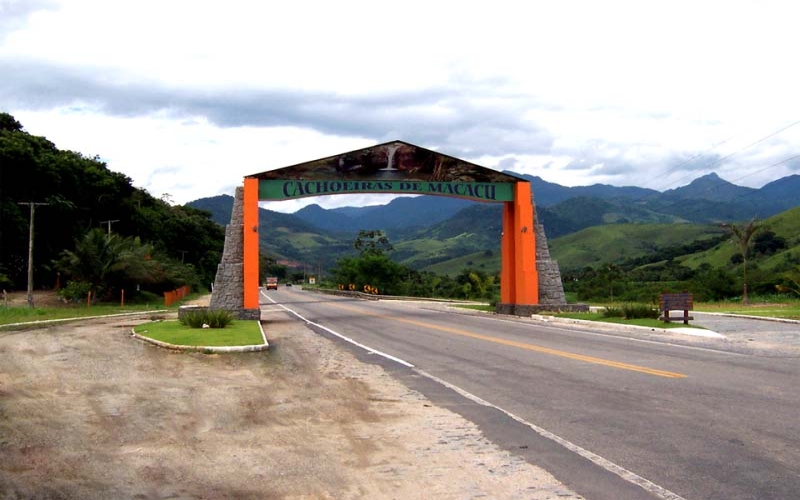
269, 189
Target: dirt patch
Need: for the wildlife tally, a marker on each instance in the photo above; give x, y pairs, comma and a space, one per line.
41, 298
87, 412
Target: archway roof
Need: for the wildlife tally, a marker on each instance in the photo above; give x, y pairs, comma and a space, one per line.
396, 160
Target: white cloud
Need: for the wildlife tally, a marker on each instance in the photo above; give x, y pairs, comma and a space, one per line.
187, 97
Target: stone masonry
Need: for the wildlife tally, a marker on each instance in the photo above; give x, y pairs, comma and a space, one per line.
551, 289
228, 292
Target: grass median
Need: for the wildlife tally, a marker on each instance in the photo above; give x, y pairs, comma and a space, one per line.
238, 333
19, 314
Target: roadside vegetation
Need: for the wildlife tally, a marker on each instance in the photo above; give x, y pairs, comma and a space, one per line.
236, 333
611, 314
49, 308
373, 271
96, 236
751, 263
22, 314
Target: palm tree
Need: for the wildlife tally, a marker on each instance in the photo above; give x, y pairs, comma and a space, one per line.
742, 236
108, 261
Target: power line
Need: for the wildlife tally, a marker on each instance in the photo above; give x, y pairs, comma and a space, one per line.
726, 157
773, 134
686, 162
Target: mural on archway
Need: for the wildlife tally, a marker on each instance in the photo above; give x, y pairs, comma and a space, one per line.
393, 167
402, 168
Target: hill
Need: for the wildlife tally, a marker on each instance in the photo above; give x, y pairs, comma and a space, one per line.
75, 198
285, 237
615, 243
588, 226
400, 213
785, 225
474, 229
563, 210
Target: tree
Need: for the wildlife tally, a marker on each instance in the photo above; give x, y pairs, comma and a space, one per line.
767, 243
372, 242
742, 236
7, 122
268, 266
81, 193
475, 284
108, 262
711, 283
377, 271
791, 283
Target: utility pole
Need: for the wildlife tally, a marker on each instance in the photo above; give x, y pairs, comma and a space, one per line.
30, 249
109, 222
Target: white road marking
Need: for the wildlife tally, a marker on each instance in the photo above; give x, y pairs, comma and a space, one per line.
337, 334
608, 465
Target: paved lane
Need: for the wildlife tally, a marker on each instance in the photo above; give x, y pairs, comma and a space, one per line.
699, 423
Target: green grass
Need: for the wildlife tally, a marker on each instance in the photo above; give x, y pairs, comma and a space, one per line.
785, 309
22, 314
649, 323
785, 224
616, 242
478, 307
477, 260
236, 334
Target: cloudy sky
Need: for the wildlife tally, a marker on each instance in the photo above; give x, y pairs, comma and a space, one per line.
188, 96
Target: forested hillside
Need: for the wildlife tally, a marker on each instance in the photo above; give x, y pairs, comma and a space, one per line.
78, 198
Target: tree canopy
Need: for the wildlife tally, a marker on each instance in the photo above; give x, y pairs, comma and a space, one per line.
82, 196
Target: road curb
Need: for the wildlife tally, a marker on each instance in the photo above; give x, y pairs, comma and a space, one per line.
747, 316
207, 349
47, 322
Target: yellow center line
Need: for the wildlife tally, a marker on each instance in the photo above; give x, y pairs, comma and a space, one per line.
522, 345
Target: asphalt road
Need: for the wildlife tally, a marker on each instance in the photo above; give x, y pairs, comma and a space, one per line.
612, 416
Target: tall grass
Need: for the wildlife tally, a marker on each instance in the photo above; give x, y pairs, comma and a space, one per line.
631, 311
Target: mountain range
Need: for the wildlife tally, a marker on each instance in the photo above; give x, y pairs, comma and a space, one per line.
567, 209
427, 230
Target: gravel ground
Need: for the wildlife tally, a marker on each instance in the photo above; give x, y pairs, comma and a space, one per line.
87, 412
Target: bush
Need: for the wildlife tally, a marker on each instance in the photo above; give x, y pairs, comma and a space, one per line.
214, 318
631, 311
5, 282
75, 291
613, 312
636, 311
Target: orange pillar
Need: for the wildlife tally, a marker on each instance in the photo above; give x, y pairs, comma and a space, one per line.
527, 279
250, 257
519, 280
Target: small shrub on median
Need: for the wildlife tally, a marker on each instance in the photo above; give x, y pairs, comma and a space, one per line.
631, 311
214, 318
637, 311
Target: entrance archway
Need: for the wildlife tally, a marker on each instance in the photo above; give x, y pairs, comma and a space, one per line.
401, 168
